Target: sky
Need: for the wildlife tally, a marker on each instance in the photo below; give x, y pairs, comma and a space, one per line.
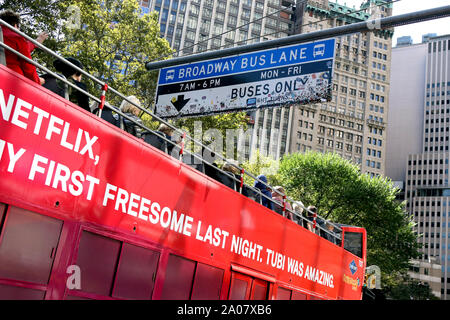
416, 30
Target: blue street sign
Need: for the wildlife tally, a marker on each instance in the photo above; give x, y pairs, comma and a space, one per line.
294, 74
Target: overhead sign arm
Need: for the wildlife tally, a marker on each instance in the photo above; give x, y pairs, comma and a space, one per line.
370, 25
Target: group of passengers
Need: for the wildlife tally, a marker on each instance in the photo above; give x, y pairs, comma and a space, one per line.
70, 74
275, 200
272, 199
132, 123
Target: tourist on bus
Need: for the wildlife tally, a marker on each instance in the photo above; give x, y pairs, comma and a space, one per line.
132, 112
20, 44
73, 76
232, 170
168, 133
310, 212
320, 227
278, 206
330, 234
56, 85
155, 138
266, 198
298, 206
229, 167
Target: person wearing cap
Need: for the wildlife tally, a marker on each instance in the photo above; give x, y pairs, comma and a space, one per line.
74, 76
20, 44
231, 167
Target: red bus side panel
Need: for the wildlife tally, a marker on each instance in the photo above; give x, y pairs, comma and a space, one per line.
62, 161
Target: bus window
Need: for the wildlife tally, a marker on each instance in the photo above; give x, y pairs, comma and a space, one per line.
240, 287
283, 294
353, 242
135, 274
298, 295
18, 293
244, 287
179, 277
259, 290
113, 268
187, 279
97, 258
28, 246
207, 282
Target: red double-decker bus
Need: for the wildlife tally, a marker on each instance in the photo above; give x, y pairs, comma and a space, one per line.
81, 198
88, 211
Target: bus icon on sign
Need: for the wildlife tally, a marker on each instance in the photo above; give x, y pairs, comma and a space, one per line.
319, 50
170, 74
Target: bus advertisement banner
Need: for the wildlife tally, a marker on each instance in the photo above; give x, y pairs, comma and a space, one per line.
299, 74
60, 160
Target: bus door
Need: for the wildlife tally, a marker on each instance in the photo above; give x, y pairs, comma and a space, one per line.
248, 285
244, 287
259, 290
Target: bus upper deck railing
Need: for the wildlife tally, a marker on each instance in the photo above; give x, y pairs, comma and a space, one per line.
336, 235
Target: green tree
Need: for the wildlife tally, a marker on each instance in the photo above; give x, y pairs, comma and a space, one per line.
114, 42
38, 16
400, 286
341, 193
260, 164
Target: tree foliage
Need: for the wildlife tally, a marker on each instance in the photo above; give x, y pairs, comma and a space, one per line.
341, 193
400, 286
114, 42
37, 15
41, 15
260, 164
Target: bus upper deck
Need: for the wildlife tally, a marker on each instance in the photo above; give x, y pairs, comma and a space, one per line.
94, 186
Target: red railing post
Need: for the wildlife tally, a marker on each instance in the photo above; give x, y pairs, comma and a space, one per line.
182, 146
102, 99
314, 220
242, 180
